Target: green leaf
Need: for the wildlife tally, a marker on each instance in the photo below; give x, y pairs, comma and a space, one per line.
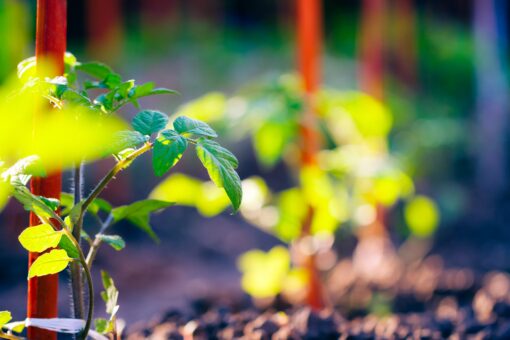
160, 90
112, 81
168, 150
99, 204
26, 68
127, 139
115, 241
95, 69
74, 97
70, 59
139, 212
124, 89
110, 295
189, 126
51, 203
147, 89
5, 317
101, 325
66, 244
149, 121
221, 164
39, 238
422, 216
30, 165
49, 263
31, 202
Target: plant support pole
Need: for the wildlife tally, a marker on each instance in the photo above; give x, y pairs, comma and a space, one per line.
50, 46
309, 26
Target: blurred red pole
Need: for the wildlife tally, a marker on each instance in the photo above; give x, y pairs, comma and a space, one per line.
104, 25
405, 42
51, 46
309, 30
309, 13
405, 31
371, 77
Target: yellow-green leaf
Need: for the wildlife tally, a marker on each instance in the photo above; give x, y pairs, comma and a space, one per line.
5, 317
39, 238
422, 216
49, 263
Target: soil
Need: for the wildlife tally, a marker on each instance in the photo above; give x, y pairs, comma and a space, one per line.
450, 304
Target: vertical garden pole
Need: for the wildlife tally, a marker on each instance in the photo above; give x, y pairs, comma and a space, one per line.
492, 99
50, 46
372, 58
404, 19
309, 31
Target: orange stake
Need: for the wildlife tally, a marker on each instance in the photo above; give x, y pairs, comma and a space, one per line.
50, 45
309, 29
372, 53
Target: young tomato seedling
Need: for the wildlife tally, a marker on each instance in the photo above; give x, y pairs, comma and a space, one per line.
90, 128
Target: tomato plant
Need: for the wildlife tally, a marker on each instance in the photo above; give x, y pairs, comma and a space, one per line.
87, 100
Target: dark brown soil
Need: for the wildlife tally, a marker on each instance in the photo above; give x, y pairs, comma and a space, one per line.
392, 299
303, 323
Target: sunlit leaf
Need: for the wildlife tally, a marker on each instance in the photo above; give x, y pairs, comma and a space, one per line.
110, 295
95, 69
39, 238
115, 241
422, 216
264, 273
167, 151
208, 108
127, 139
220, 164
139, 212
49, 263
270, 140
148, 122
5, 317
206, 197
293, 209
98, 205
67, 245
189, 126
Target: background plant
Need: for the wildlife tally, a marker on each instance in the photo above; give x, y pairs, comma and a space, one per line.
356, 174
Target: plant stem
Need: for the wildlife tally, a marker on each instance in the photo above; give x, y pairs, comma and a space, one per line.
90, 286
76, 274
9, 336
97, 241
111, 175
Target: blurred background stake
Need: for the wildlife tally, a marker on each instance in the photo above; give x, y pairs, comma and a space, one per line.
371, 68
309, 26
105, 30
491, 97
50, 45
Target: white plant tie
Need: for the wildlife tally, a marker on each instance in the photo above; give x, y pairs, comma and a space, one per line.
60, 325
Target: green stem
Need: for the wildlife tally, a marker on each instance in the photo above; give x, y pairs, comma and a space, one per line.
121, 165
9, 336
90, 286
94, 247
76, 272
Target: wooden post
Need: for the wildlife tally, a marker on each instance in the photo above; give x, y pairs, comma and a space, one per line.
50, 46
309, 29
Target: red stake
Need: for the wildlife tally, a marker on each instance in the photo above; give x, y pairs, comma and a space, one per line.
372, 60
309, 25
51, 46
